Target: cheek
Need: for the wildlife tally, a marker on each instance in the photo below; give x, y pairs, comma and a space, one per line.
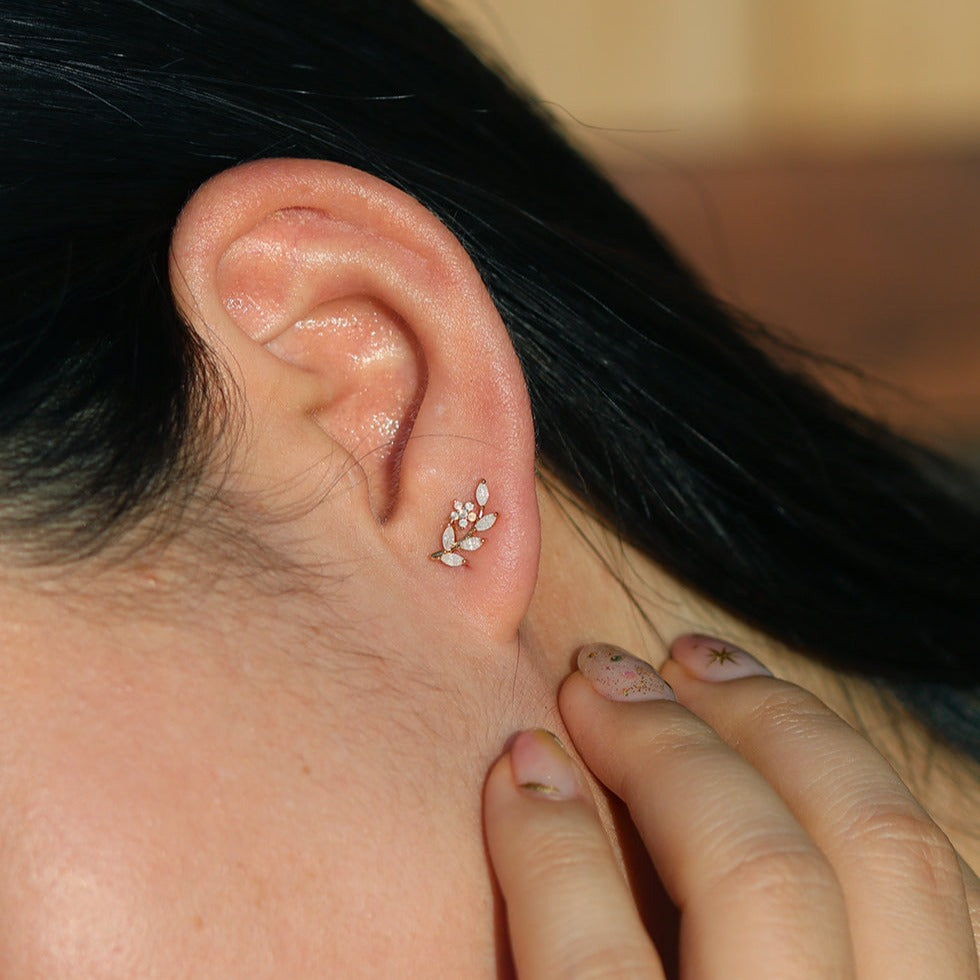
194, 825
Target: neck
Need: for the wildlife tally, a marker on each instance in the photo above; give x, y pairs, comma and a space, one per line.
594, 587
325, 750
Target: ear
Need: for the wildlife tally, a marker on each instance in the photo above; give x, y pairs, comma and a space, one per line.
379, 384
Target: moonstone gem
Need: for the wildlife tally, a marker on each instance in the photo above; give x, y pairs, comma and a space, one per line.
448, 538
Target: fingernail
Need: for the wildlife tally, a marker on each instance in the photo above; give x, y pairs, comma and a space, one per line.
711, 659
619, 676
540, 766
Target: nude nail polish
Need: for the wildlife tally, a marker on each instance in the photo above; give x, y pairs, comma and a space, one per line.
541, 766
619, 676
711, 659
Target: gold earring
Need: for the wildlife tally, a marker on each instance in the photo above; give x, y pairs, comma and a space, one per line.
465, 521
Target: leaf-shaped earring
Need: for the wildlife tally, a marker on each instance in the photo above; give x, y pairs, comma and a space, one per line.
467, 519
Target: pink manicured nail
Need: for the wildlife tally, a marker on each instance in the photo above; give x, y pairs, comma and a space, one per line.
540, 765
619, 676
711, 659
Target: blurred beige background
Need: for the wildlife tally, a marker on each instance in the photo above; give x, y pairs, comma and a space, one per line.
818, 160
745, 76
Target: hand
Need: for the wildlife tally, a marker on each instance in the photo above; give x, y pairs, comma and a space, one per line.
787, 844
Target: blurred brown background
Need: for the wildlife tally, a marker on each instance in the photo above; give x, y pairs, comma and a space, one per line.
817, 160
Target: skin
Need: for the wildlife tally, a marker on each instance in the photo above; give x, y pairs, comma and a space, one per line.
839, 876
212, 765
649, 609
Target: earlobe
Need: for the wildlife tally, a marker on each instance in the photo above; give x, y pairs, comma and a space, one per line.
365, 343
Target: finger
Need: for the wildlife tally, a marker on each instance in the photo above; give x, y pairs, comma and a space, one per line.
757, 899
972, 883
569, 910
901, 878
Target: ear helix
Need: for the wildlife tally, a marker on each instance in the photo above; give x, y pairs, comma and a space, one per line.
461, 533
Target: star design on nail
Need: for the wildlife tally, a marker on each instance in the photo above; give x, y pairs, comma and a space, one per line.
721, 656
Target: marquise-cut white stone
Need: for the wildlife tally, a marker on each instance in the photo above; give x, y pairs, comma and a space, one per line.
471, 544
453, 560
482, 493
448, 538
486, 522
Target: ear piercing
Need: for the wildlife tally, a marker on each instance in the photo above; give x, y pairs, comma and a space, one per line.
465, 521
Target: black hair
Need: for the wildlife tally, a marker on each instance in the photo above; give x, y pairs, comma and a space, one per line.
653, 403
